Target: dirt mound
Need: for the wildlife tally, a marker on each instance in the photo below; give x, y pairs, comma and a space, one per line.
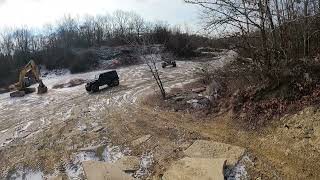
71, 83
3, 90
304, 127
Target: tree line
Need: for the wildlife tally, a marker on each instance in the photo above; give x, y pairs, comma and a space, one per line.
272, 32
53, 45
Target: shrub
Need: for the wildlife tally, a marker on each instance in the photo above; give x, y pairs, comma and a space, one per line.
83, 61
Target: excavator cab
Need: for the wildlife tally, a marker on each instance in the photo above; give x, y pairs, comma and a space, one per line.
21, 87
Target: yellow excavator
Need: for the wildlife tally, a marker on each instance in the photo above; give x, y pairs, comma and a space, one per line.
21, 87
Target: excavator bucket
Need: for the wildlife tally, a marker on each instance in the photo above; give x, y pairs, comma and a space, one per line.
42, 88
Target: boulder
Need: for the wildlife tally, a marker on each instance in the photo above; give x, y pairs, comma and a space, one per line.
211, 149
196, 168
95, 170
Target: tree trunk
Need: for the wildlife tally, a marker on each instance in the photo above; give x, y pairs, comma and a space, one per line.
263, 35
305, 27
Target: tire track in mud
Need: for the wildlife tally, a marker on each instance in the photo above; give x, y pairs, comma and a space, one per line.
58, 105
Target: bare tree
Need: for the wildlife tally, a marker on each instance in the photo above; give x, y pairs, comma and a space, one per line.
151, 60
121, 22
281, 24
6, 44
150, 55
137, 23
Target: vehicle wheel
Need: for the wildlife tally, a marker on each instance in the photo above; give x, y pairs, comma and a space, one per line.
115, 83
174, 64
163, 66
88, 88
95, 88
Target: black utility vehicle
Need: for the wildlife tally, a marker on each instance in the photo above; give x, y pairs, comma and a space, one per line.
110, 78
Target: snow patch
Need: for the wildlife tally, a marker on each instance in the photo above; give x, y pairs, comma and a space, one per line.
82, 127
26, 126
21, 174
112, 154
238, 172
145, 163
8, 141
3, 131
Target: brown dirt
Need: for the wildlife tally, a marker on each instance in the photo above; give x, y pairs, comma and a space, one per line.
275, 153
286, 148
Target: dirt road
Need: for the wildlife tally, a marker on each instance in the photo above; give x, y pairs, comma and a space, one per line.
42, 135
28, 121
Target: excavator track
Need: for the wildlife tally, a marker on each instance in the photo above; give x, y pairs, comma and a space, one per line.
22, 93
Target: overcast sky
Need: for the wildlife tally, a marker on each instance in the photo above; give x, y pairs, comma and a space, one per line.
35, 13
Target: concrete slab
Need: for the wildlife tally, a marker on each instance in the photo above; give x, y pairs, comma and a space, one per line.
96, 170
128, 163
211, 149
196, 169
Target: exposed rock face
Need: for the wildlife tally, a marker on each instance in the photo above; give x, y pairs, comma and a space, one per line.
211, 149
196, 168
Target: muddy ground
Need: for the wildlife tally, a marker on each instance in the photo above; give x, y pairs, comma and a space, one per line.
42, 135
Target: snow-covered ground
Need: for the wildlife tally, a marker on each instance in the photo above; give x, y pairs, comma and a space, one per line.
23, 118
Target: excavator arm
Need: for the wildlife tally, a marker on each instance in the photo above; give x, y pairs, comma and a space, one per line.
32, 68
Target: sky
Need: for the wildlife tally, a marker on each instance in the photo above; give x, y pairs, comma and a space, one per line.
36, 13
